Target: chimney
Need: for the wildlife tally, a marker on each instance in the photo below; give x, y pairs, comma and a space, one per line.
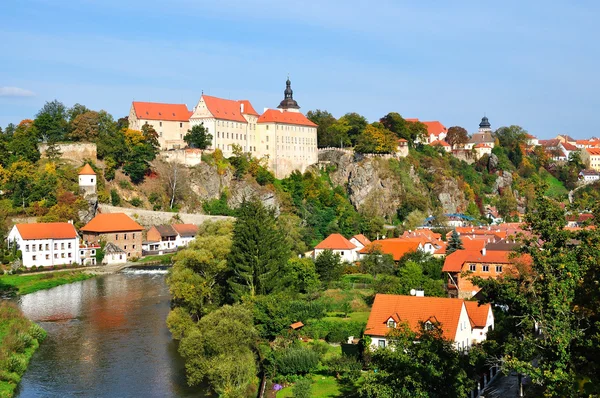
71, 222
483, 251
420, 293
242, 107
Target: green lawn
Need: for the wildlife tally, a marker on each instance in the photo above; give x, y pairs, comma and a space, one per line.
556, 189
25, 284
323, 386
362, 316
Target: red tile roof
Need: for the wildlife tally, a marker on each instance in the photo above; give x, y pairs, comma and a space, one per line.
278, 116
296, 325
396, 247
478, 313
363, 240
593, 151
111, 222
158, 111
335, 242
51, 230
439, 143
412, 310
569, 147
185, 229
248, 108
87, 170
482, 145
225, 109
435, 127
454, 262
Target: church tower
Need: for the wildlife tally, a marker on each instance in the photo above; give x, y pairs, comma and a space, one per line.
485, 125
288, 103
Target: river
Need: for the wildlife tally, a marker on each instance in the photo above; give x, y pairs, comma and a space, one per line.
106, 338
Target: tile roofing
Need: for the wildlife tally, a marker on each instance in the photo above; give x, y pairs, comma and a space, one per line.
569, 147
278, 116
335, 242
439, 143
111, 222
478, 313
248, 108
481, 137
186, 230
111, 248
226, 109
397, 247
455, 261
87, 170
165, 230
158, 111
412, 310
435, 127
51, 230
593, 151
363, 240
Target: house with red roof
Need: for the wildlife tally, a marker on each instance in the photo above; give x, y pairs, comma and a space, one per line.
442, 144
171, 121
87, 180
360, 241
436, 131
118, 229
396, 247
347, 250
46, 244
284, 135
591, 158
463, 324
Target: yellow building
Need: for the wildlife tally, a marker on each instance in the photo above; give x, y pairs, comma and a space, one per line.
591, 158
171, 121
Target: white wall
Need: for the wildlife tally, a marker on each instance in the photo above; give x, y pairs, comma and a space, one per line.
347, 255
52, 252
480, 334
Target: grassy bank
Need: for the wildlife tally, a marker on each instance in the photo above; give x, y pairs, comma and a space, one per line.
158, 258
25, 284
19, 338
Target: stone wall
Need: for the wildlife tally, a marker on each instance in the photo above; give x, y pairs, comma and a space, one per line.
75, 152
188, 157
147, 218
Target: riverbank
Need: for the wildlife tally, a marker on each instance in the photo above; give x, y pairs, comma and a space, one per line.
25, 284
19, 339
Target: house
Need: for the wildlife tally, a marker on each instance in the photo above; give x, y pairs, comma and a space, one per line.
171, 121
396, 247
532, 140
113, 254
564, 138
185, 233
462, 265
402, 148
482, 136
482, 149
568, 148
360, 241
442, 144
87, 180
578, 220
338, 245
591, 158
436, 131
116, 228
589, 175
46, 244
491, 213
457, 324
164, 236
87, 253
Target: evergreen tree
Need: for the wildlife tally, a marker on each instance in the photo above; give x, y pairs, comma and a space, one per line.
329, 266
259, 252
454, 243
197, 137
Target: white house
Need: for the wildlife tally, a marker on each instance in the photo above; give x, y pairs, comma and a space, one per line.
168, 238
589, 175
359, 241
87, 180
46, 244
113, 254
87, 253
338, 245
454, 316
185, 233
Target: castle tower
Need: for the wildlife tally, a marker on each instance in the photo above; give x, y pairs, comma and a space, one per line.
87, 180
485, 125
289, 103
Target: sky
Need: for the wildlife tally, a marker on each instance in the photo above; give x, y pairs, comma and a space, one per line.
530, 63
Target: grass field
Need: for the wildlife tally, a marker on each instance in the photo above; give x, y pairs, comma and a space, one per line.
362, 317
323, 386
556, 189
25, 284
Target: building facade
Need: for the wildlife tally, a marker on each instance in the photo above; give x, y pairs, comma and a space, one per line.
482, 136
115, 228
171, 121
591, 158
46, 244
87, 180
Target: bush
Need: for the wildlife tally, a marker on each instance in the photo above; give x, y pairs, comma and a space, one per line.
125, 184
10, 377
136, 202
302, 388
25, 340
264, 176
320, 347
344, 366
334, 331
296, 360
16, 364
37, 332
115, 199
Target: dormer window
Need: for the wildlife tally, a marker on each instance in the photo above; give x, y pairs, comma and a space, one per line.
391, 323
428, 326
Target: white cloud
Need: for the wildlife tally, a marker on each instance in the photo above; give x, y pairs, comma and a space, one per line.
15, 92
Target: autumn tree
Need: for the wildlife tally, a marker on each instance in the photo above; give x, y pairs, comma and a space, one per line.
198, 137
457, 136
376, 140
409, 130
141, 149
85, 126
23, 144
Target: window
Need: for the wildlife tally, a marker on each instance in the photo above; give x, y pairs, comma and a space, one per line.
180, 124
69, 245
125, 236
40, 247
428, 325
472, 267
26, 248
381, 343
485, 268
69, 255
92, 180
116, 236
55, 255
62, 255
499, 269
125, 247
160, 124
133, 235
133, 247
47, 246
391, 323
267, 147
62, 246
34, 257
81, 252
55, 246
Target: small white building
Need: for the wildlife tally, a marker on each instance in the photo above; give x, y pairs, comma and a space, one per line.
113, 254
46, 244
360, 241
87, 180
185, 234
347, 250
589, 175
482, 320
87, 253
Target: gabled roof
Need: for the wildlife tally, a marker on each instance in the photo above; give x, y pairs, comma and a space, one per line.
278, 116
589, 172
226, 109
478, 313
396, 247
412, 310
111, 248
158, 111
481, 137
439, 143
111, 222
593, 151
87, 170
51, 230
435, 127
363, 240
186, 230
454, 262
569, 147
248, 108
549, 143
482, 145
335, 242
165, 230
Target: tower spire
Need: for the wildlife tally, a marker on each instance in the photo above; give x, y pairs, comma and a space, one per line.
288, 102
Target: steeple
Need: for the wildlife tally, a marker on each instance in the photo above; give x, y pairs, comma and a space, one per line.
288, 102
485, 124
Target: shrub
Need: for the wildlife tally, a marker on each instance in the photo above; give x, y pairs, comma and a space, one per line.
136, 202
296, 360
264, 176
115, 199
320, 347
37, 332
10, 377
25, 340
343, 365
16, 364
302, 388
125, 184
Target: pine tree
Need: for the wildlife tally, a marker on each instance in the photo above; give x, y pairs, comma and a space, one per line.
259, 252
454, 243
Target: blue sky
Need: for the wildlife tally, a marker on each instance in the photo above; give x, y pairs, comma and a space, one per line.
530, 63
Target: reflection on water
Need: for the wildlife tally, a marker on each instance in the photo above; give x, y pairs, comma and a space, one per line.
106, 338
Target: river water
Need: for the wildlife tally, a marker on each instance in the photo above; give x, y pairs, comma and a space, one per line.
106, 338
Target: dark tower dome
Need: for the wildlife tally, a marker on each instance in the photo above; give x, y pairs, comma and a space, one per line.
288, 97
485, 123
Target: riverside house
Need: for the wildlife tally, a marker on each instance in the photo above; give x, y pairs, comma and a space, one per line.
118, 229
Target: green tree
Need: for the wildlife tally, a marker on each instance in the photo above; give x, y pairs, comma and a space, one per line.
259, 252
221, 351
323, 120
51, 121
410, 131
85, 126
23, 144
329, 266
376, 262
197, 137
357, 124
430, 369
454, 244
376, 140
300, 276
457, 136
